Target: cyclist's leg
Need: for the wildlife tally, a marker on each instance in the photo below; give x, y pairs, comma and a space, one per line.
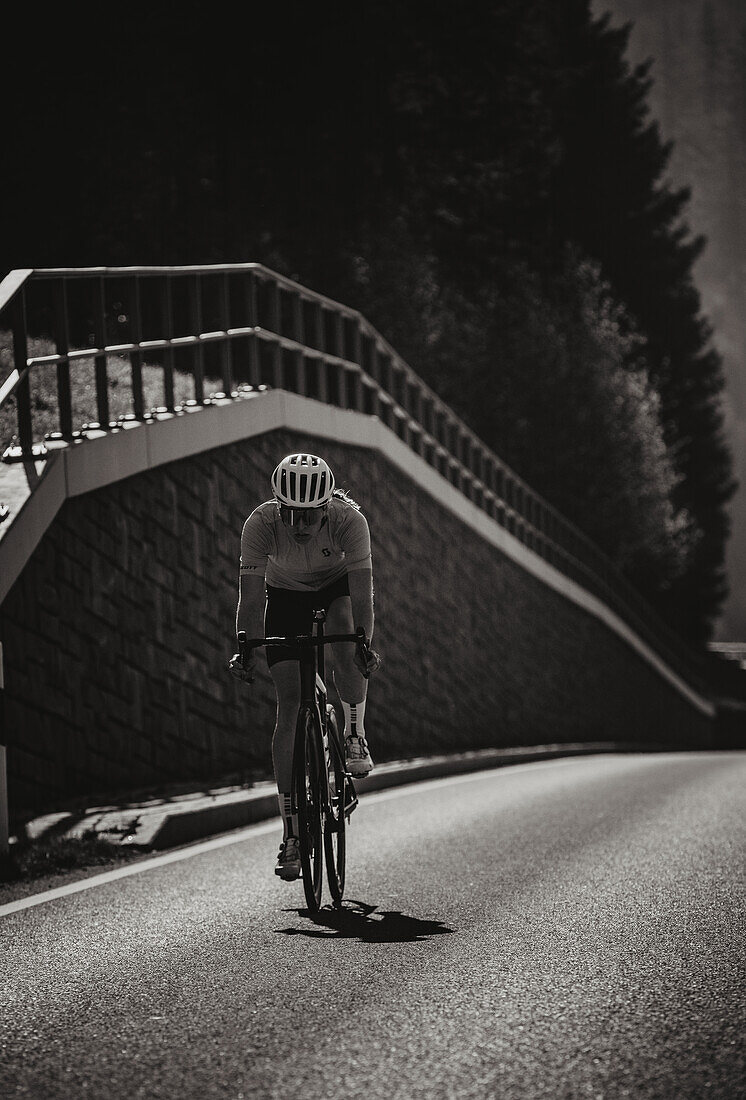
287, 613
349, 682
287, 690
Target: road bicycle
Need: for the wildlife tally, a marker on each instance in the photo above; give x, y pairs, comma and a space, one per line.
323, 791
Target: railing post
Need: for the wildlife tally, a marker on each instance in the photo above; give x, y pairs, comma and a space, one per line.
20, 361
476, 459
299, 362
393, 376
461, 452
102, 379
479, 463
436, 429
374, 373
415, 402
430, 416
520, 513
226, 347
369, 396
384, 372
500, 484
322, 367
319, 341
198, 358
278, 375
510, 501
138, 400
62, 343
533, 534
339, 351
463, 448
356, 401
167, 306
255, 376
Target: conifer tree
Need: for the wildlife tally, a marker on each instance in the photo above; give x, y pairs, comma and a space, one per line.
614, 201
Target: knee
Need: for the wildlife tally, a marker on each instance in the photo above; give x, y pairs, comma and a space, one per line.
344, 665
287, 705
288, 701
350, 683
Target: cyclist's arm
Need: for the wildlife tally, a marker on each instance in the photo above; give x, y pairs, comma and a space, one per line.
361, 595
256, 545
250, 610
355, 541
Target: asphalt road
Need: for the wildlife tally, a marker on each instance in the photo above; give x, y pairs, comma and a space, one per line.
572, 928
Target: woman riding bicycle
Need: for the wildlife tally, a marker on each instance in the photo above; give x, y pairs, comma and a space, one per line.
307, 548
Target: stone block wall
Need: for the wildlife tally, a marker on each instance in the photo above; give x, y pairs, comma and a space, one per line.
117, 633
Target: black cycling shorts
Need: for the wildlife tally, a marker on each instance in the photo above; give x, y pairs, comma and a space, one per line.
290, 611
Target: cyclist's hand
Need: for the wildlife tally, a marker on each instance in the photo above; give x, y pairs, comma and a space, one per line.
242, 671
366, 660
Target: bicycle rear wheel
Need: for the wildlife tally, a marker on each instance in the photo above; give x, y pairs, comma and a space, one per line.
335, 838
308, 782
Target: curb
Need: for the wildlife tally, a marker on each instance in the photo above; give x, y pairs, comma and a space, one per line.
161, 824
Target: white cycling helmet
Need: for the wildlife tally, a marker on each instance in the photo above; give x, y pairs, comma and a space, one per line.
303, 481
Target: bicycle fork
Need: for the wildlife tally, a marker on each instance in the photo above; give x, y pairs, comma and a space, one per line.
349, 795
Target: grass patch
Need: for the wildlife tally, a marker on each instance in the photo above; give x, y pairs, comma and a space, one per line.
41, 865
59, 854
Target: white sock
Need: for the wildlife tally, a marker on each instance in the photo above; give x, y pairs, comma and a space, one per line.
354, 718
289, 820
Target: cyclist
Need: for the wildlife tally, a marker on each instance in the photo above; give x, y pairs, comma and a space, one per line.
307, 548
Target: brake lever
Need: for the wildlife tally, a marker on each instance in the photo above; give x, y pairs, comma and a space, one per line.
243, 651
363, 648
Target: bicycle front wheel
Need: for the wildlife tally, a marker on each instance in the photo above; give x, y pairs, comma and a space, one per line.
334, 818
308, 780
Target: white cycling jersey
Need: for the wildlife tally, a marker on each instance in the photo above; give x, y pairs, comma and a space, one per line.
340, 545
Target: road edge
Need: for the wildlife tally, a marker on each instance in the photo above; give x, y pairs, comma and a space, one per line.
162, 824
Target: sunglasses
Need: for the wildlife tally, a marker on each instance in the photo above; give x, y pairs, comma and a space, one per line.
291, 517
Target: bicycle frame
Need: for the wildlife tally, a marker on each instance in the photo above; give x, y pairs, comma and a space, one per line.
312, 663
313, 794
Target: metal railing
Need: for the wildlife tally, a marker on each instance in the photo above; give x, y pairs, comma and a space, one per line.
248, 327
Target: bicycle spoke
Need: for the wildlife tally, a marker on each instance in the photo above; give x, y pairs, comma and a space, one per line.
307, 766
335, 841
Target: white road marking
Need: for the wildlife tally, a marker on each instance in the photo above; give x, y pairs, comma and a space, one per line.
137, 868
244, 834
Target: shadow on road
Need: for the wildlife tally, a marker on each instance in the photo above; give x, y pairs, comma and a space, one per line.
357, 920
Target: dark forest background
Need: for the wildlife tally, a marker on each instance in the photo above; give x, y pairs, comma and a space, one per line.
484, 182
698, 51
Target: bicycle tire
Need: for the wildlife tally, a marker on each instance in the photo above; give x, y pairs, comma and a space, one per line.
307, 789
335, 833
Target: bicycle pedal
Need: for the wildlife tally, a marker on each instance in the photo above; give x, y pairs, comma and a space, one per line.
351, 799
